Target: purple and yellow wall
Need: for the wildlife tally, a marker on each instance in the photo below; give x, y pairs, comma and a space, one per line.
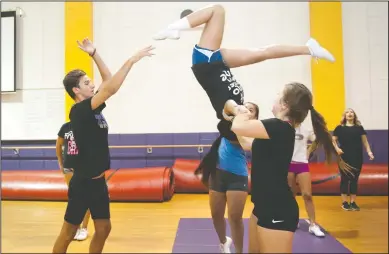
328, 85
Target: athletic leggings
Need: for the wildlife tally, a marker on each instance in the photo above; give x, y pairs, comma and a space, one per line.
349, 183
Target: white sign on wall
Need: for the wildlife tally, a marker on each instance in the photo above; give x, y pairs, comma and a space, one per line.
8, 51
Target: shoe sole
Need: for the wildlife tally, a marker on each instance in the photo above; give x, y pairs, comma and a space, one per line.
346, 209
167, 38
320, 236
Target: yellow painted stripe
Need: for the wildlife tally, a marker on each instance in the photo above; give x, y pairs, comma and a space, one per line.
328, 78
78, 25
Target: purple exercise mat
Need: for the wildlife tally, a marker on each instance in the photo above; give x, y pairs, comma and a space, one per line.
199, 236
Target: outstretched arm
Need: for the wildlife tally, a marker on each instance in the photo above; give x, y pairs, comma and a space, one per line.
87, 46
105, 73
112, 85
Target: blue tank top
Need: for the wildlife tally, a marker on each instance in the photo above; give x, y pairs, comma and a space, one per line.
232, 158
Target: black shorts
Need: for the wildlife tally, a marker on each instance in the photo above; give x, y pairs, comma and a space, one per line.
284, 217
84, 194
223, 181
219, 84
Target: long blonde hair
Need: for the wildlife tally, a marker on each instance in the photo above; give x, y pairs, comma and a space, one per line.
356, 120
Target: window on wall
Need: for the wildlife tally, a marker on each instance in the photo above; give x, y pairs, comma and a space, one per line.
8, 51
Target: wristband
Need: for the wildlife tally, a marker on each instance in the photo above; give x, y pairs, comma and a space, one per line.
93, 53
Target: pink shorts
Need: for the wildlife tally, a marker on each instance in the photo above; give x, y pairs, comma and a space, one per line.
298, 168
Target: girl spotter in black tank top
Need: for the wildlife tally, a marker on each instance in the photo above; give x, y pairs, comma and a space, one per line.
270, 162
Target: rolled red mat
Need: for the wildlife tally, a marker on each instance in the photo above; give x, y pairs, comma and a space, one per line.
141, 184
168, 184
325, 178
33, 185
373, 179
185, 179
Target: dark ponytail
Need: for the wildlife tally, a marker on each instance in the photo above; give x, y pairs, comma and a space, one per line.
324, 139
207, 166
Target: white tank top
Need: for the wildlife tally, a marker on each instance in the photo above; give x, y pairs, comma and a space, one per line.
303, 135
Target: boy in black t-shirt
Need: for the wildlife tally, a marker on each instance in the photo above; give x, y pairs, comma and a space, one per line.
66, 151
88, 188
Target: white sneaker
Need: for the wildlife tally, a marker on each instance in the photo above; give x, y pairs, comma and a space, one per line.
76, 235
82, 235
225, 248
318, 51
314, 229
167, 34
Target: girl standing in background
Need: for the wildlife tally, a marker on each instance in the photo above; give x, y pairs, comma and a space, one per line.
66, 159
348, 139
299, 171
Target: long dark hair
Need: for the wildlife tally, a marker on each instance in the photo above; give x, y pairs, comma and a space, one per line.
207, 166
298, 99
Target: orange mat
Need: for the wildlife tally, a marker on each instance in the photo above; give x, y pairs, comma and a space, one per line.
139, 184
325, 178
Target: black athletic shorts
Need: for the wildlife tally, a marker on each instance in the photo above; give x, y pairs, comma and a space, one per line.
219, 84
84, 194
277, 216
223, 181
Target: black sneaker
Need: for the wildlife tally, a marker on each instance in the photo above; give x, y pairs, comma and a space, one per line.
354, 206
346, 206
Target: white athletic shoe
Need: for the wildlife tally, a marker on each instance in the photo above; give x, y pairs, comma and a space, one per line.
82, 235
225, 248
167, 34
315, 230
318, 51
76, 235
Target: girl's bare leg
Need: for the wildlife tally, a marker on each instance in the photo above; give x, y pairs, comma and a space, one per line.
212, 16
242, 57
304, 180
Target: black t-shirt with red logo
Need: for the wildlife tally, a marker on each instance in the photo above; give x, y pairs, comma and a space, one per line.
70, 150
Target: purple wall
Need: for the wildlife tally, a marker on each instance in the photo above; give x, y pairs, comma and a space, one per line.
139, 158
